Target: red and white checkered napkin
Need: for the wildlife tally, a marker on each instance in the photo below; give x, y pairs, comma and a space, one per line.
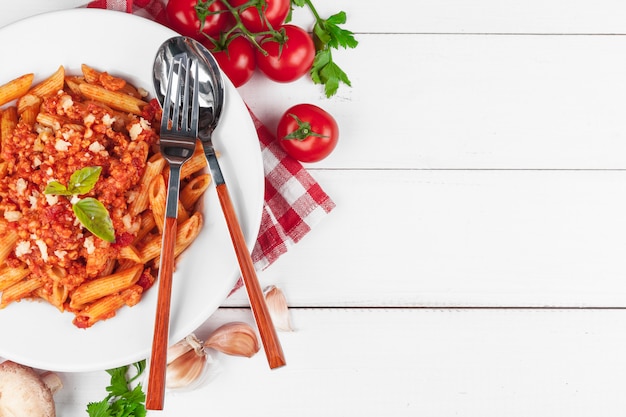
294, 201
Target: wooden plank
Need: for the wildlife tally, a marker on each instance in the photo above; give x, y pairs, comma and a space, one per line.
408, 362
450, 102
485, 16
432, 16
461, 238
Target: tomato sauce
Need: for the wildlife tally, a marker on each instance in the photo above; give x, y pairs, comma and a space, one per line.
51, 240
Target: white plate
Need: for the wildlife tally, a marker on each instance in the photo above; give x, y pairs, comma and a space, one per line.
35, 333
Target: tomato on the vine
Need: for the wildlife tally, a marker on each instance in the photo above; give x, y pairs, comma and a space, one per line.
275, 11
183, 17
289, 61
307, 132
237, 60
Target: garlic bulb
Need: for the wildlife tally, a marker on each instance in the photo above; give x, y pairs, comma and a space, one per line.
186, 362
237, 338
277, 306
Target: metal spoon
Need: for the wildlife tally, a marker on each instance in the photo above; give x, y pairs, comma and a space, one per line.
211, 104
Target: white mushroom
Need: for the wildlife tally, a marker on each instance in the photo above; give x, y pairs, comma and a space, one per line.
24, 393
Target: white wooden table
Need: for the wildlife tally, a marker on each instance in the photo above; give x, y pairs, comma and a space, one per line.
475, 263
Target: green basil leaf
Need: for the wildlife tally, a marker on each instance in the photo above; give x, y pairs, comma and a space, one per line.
95, 217
56, 188
83, 180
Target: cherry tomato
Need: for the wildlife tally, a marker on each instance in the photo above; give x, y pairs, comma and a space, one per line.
237, 60
292, 61
307, 132
275, 11
183, 18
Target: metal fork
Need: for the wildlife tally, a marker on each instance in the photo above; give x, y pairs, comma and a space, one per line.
179, 130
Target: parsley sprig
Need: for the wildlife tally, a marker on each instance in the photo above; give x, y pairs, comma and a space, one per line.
122, 400
89, 211
328, 35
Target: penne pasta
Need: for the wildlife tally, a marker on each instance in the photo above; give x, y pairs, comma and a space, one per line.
26, 101
19, 290
10, 276
141, 199
146, 225
101, 287
15, 88
50, 85
182, 213
195, 164
191, 192
186, 233
114, 99
107, 307
53, 131
73, 83
151, 248
52, 121
157, 193
8, 121
9, 240
130, 253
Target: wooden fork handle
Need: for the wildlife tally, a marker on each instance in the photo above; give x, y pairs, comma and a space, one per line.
271, 344
158, 358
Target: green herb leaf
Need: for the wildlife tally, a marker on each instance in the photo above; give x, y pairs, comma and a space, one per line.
339, 36
56, 188
99, 409
95, 217
122, 401
139, 368
325, 71
89, 211
328, 35
83, 180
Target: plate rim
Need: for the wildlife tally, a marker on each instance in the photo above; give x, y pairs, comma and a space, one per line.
254, 213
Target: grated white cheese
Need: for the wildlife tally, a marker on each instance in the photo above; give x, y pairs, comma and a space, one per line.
68, 134
36, 162
49, 171
96, 147
75, 199
52, 199
89, 119
43, 248
107, 120
61, 145
134, 131
32, 199
60, 253
144, 123
22, 248
12, 216
20, 186
89, 245
66, 103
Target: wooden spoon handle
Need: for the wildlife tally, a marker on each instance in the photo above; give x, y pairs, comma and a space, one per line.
271, 344
158, 358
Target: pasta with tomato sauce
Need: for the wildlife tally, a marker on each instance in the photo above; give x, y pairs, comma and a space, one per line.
59, 135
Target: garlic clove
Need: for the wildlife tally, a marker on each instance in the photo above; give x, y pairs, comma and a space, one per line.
237, 338
277, 306
180, 348
185, 369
